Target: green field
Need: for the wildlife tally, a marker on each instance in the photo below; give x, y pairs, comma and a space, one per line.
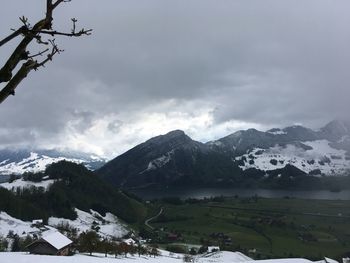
260, 227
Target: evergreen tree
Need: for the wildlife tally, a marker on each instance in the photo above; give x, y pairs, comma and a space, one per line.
15, 247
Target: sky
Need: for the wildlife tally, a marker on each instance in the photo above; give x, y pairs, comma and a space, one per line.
207, 67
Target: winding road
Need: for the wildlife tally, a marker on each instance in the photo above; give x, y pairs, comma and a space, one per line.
152, 218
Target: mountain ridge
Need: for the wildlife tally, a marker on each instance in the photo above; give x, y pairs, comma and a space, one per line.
21, 160
174, 158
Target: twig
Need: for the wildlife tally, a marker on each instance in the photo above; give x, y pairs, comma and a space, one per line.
54, 32
39, 53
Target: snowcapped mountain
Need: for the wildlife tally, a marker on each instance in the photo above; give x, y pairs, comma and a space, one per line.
26, 160
167, 158
176, 159
323, 152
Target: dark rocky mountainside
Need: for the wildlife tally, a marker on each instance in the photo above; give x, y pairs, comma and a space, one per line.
176, 159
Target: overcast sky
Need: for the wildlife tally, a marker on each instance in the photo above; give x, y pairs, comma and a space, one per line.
207, 67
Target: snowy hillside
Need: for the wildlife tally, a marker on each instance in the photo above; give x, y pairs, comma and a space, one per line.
315, 157
20, 161
19, 227
108, 226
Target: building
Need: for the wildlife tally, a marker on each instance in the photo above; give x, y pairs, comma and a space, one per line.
129, 241
51, 243
213, 249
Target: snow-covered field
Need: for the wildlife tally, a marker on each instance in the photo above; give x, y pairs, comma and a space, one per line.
18, 227
219, 257
109, 225
322, 156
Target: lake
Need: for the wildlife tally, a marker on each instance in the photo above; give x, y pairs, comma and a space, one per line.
200, 193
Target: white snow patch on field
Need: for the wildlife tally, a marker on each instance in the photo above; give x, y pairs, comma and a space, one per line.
110, 225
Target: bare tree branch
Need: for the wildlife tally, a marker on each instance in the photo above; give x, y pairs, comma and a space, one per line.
12, 36
73, 34
22, 73
39, 53
16, 57
38, 32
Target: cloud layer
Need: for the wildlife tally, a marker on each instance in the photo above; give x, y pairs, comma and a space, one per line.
206, 67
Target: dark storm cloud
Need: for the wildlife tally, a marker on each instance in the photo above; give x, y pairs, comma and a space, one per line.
265, 62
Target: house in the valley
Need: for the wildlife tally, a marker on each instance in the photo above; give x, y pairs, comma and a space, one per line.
51, 243
129, 241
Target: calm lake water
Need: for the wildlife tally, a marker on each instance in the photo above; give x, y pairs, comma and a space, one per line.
199, 193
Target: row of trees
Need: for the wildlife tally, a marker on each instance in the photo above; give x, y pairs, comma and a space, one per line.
88, 242
91, 242
14, 243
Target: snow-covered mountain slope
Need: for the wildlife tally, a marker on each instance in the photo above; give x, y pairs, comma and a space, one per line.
20, 161
313, 157
108, 225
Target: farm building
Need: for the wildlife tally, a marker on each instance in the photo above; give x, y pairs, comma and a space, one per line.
51, 243
213, 249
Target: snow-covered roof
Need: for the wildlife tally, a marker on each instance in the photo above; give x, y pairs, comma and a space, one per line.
56, 239
213, 248
129, 241
37, 221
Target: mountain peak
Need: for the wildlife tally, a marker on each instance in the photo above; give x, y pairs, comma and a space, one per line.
175, 133
339, 125
336, 129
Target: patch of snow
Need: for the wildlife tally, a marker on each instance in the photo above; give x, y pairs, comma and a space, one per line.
26, 184
277, 132
4, 162
159, 162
